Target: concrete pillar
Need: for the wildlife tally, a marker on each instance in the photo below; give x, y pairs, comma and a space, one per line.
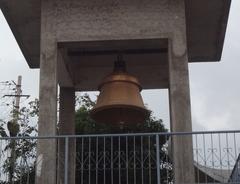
46, 148
67, 127
180, 110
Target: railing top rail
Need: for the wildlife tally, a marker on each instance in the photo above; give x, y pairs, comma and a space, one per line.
122, 135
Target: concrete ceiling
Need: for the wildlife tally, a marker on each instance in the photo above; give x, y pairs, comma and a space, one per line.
88, 63
206, 27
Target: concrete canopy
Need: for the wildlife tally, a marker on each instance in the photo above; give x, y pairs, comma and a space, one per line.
206, 27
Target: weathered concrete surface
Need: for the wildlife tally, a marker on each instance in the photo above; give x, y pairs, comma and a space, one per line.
205, 19
46, 149
67, 127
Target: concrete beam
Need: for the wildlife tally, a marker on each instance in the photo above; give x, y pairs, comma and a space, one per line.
64, 76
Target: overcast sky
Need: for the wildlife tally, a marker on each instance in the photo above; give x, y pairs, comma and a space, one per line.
215, 89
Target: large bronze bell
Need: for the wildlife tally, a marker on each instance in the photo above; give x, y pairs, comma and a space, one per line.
119, 102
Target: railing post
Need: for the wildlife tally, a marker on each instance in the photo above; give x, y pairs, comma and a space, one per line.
158, 159
66, 161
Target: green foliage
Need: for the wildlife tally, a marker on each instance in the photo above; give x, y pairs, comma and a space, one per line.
2, 131
22, 151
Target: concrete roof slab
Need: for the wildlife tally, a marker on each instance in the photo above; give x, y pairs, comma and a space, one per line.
206, 27
23, 18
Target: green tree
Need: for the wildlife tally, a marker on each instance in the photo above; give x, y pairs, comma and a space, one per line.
94, 149
19, 154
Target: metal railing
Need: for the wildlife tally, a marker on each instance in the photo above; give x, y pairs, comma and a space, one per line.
133, 158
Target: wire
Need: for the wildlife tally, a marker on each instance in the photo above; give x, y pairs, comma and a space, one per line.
6, 103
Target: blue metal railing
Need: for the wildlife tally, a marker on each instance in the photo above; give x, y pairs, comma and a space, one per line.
124, 158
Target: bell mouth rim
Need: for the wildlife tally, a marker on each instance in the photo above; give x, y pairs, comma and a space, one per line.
145, 113
144, 110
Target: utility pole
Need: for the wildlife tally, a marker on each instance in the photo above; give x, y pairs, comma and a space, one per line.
13, 126
16, 106
17, 100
